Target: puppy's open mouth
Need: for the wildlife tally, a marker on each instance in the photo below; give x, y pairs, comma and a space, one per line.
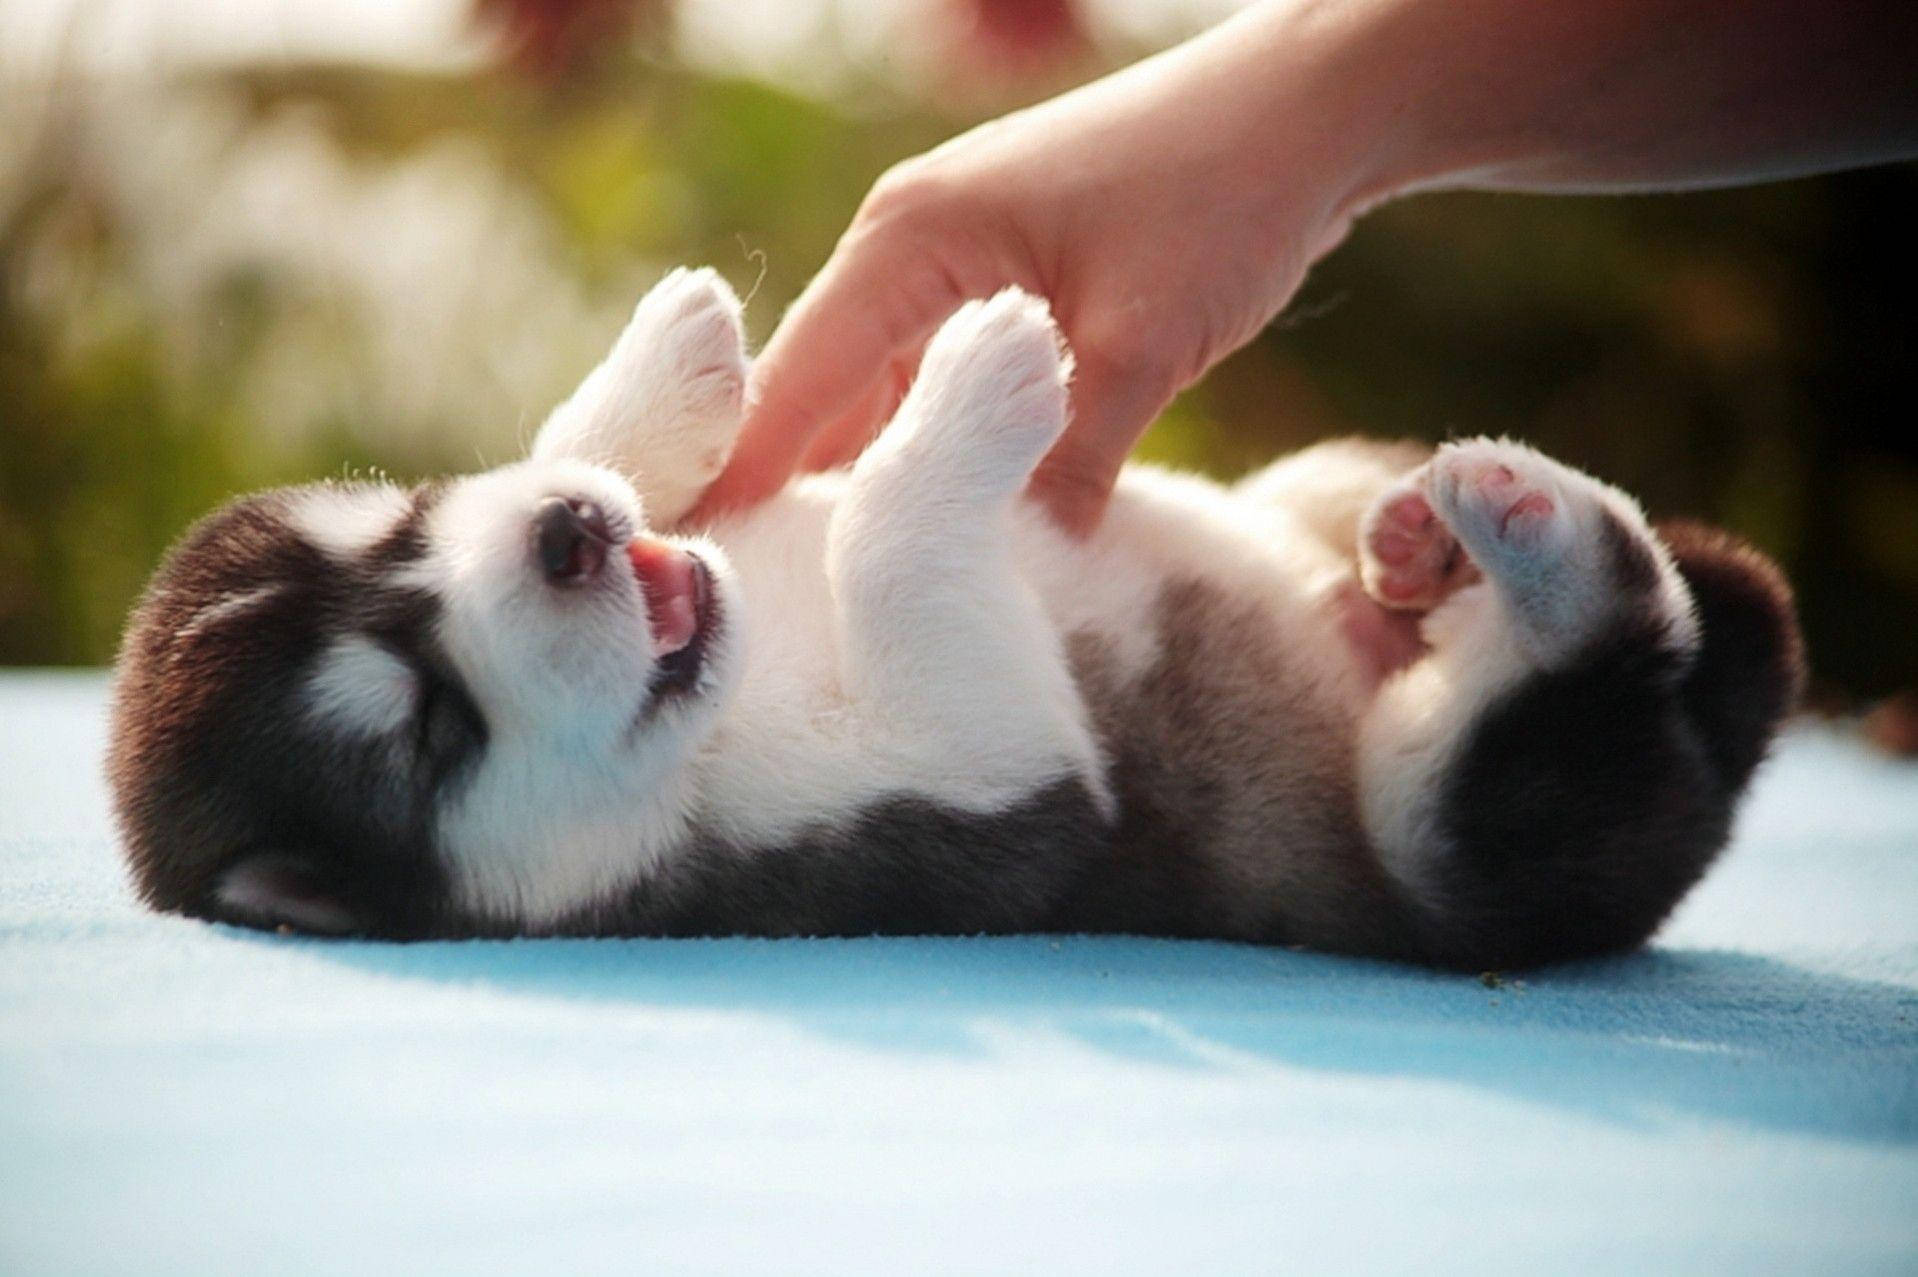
680, 610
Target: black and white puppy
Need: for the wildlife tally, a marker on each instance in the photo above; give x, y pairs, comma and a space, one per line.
1462, 707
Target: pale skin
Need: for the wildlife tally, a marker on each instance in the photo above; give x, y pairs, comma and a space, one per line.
1170, 210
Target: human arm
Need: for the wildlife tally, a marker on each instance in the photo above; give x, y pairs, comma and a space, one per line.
1170, 210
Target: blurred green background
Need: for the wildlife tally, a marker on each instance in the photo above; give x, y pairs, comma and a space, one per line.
224, 265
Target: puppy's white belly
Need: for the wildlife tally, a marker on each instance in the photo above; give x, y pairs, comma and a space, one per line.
794, 752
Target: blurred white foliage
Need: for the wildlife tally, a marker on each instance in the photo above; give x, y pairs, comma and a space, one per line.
809, 46
145, 36
815, 48
1154, 24
822, 48
428, 296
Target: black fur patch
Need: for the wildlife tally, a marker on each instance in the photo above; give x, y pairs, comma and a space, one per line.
1752, 671
904, 867
406, 542
213, 760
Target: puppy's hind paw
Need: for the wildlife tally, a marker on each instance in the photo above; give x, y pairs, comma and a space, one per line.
1567, 553
1408, 559
1507, 504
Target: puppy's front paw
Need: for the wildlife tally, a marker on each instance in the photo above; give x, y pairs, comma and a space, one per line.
991, 389
664, 406
692, 320
1409, 560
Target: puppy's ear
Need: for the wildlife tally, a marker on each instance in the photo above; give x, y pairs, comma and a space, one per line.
676, 377
278, 889
1751, 671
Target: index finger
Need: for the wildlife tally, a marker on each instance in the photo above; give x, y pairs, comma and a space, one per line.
836, 342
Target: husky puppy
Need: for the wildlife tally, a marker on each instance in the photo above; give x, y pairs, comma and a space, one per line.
1463, 707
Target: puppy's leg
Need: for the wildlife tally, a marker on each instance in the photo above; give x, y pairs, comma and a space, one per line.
1530, 779
664, 406
946, 650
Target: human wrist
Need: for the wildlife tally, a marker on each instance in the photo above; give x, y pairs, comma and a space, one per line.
1600, 95
1375, 99
1331, 102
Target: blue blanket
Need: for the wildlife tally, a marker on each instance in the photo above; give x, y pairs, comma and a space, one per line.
177, 1097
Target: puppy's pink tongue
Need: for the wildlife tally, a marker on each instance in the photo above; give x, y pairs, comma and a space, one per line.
671, 582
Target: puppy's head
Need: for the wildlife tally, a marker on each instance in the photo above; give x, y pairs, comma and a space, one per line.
443, 711
460, 709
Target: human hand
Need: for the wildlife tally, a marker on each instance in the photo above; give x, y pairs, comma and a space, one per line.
1169, 210
1158, 211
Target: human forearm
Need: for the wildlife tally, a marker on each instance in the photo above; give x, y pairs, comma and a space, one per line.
1618, 95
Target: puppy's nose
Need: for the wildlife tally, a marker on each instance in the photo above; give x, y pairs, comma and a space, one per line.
572, 537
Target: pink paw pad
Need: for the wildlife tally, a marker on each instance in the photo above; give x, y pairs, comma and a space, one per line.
1518, 506
1409, 559
1403, 528
1531, 506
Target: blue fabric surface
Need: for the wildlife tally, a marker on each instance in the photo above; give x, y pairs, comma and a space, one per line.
176, 1097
